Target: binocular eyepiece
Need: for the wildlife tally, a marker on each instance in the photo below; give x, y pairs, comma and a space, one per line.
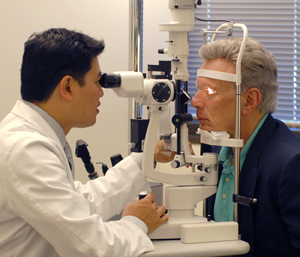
110, 80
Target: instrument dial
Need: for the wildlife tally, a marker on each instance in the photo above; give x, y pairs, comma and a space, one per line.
161, 92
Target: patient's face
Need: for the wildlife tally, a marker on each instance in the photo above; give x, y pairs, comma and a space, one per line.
215, 99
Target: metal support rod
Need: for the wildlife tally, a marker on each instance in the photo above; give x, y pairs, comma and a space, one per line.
135, 53
178, 111
135, 34
237, 149
238, 106
135, 43
238, 115
185, 109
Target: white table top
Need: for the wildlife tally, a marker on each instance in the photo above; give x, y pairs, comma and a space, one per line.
174, 248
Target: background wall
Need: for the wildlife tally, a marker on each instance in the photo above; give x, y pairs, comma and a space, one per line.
100, 19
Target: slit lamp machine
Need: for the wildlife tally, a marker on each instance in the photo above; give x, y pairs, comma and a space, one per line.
156, 92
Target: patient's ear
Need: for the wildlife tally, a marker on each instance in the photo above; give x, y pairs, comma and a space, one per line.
66, 87
250, 100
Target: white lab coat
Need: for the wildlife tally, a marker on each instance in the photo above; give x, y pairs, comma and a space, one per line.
44, 213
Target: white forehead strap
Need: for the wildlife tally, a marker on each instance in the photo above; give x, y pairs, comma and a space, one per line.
212, 74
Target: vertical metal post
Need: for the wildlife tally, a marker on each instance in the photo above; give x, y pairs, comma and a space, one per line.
238, 106
135, 53
237, 149
135, 44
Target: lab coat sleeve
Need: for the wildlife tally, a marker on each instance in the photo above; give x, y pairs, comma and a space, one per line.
108, 195
39, 191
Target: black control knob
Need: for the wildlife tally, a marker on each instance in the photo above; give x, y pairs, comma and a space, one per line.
115, 159
207, 169
203, 178
161, 92
142, 195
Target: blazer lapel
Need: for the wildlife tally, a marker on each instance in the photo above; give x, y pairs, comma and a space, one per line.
248, 178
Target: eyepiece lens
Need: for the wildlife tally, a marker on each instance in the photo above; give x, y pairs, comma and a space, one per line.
103, 80
110, 80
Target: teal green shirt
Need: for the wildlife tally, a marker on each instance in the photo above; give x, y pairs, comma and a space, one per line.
224, 206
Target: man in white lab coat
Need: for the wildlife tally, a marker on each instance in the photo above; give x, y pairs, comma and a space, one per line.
44, 212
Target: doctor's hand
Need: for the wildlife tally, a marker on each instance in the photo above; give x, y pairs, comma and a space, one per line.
147, 211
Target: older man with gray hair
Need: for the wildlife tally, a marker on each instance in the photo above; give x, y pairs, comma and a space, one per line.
270, 158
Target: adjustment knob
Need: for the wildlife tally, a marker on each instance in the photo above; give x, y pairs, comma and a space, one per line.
161, 92
207, 169
175, 164
115, 159
203, 178
142, 195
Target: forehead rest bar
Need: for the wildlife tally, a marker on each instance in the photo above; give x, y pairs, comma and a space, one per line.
216, 75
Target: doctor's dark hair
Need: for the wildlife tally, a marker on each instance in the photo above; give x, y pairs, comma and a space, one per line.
258, 67
53, 54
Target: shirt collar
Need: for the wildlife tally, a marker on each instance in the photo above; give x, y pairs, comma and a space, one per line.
51, 121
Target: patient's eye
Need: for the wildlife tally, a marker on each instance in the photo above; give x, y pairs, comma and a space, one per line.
210, 91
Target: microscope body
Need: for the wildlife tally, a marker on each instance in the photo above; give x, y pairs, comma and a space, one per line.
188, 187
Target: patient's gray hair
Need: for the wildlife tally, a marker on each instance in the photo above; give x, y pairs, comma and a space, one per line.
258, 69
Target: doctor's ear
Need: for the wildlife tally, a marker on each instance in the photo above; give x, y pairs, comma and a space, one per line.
66, 86
250, 100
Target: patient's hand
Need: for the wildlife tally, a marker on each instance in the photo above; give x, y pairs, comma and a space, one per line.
162, 153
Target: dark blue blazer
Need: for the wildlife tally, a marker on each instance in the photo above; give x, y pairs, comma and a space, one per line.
270, 173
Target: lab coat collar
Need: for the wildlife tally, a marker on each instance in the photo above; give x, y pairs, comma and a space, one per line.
26, 112
51, 121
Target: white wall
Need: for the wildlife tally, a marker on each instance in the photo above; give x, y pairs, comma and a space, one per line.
155, 12
100, 19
